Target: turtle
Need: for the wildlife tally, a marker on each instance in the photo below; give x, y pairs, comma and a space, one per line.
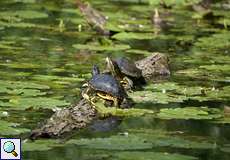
124, 70
104, 86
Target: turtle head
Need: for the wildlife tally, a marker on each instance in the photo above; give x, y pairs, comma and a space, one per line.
95, 70
112, 66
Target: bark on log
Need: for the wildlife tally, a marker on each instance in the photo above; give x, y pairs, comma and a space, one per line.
154, 65
66, 120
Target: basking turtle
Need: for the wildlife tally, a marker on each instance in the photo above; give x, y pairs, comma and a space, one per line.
125, 70
104, 86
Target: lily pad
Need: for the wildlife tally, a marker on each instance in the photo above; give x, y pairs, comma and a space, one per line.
26, 14
136, 51
173, 2
223, 120
10, 47
40, 145
22, 85
223, 68
152, 156
225, 148
22, 1
189, 113
161, 138
8, 128
156, 97
216, 41
38, 102
20, 65
114, 47
57, 78
113, 143
26, 92
167, 86
27, 25
132, 35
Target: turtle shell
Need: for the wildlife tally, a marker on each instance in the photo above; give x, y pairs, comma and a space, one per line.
108, 84
128, 67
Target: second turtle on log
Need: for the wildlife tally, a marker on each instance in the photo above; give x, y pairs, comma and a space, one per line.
124, 70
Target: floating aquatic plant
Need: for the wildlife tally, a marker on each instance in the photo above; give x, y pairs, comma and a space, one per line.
189, 113
113, 47
8, 128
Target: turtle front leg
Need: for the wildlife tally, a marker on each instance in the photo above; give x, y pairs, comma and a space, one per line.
85, 94
116, 102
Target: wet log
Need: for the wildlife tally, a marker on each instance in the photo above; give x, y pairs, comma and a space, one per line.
153, 66
66, 120
94, 18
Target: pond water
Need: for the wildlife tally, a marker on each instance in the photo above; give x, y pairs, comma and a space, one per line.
46, 54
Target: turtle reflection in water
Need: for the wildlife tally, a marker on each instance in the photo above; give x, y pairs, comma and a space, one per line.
125, 71
106, 87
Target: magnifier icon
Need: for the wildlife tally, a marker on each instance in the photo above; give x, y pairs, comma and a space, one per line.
9, 147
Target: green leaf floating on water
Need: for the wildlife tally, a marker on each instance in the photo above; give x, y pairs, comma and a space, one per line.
141, 25
57, 78
21, 1
26, 92
161, 138
26, 14
22, 89
223, 68
168, 92
10, 46
214, 94
22, 95
21, 65
133, 35
107, 111
156, 97
113, 143
173, 2
152, 156
28, 25
163, 86
8, 128
224, 120
22, 85
114, 47
225, 148
40, 145
136, 51
212, 74
37, 102
216, 41
189, 113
